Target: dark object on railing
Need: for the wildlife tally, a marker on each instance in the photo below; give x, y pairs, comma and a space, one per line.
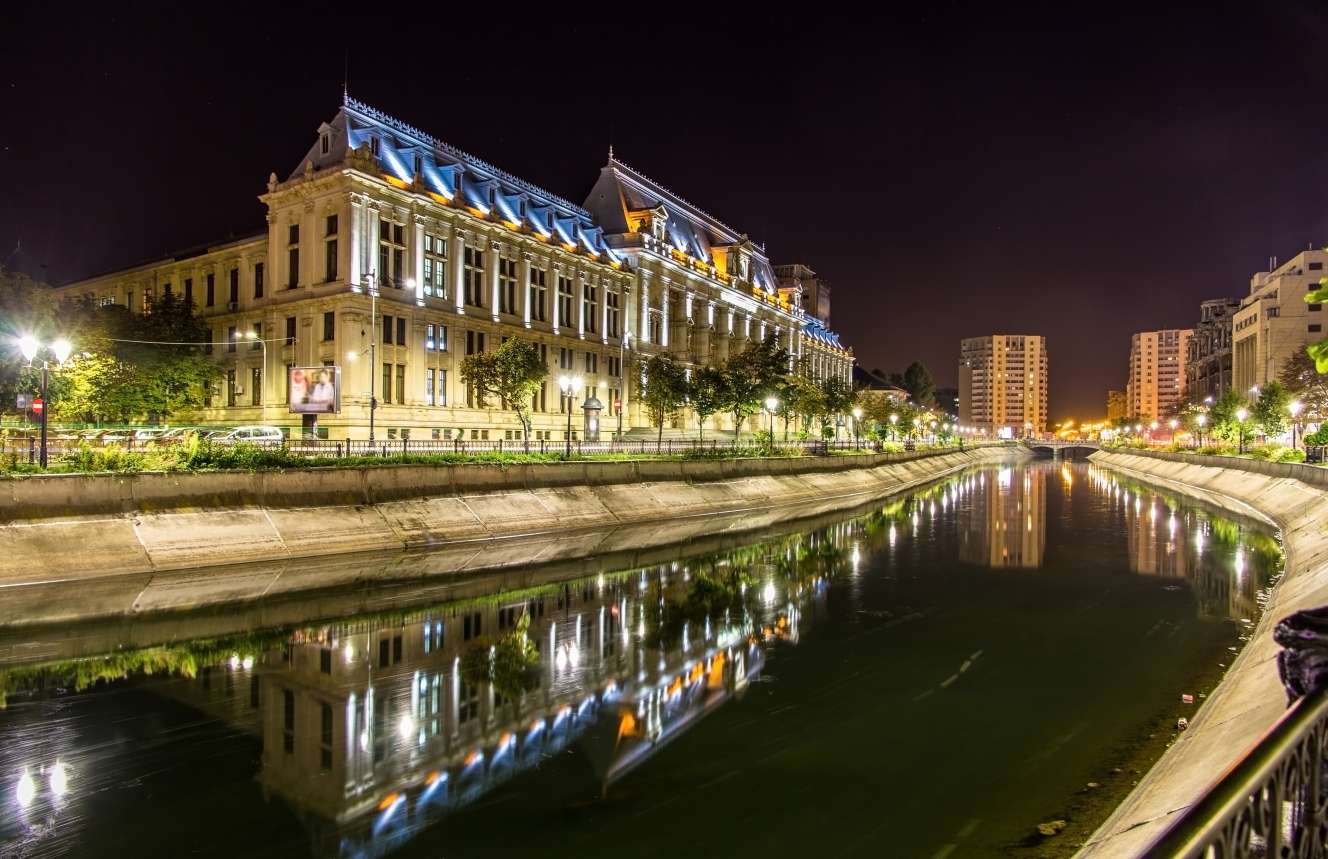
1303, 662
1314, 454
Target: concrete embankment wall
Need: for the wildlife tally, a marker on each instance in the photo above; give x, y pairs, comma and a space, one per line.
1250, 698
164, 537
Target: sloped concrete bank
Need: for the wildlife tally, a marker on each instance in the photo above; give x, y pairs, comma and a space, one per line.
78, 546
1250, 698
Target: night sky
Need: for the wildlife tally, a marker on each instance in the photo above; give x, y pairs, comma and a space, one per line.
952, 171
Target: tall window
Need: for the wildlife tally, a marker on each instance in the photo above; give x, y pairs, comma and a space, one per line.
258, 335
564, 301
428, 386
539, 294
258, 280
655, 326
329, 325
387, 383
391, 253
330, 249
293, 256
435, 266
507, 285
230, 387
474, 266
233, 296
442, 387
611, 305
256, 387
189, 291
435, 338
211, 290
290, 330
401, 384
401, 331
590, 306
230, 339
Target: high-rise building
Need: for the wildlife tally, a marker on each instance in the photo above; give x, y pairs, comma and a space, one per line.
798, 280
1003, 384
1208, 361
386, 246
1116, 405
1274, 322
1156, 387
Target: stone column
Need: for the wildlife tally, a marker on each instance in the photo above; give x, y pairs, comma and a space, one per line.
523, 279
556, 292
664, 312
643, 300
417, 259
604, 286
579, 296
371, 241
491, 272
356, 239
457, 247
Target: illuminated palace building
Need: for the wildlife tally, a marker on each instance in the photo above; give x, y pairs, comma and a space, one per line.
462, 256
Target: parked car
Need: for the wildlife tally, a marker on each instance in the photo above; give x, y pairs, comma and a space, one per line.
265, 436
148, 436
177, 435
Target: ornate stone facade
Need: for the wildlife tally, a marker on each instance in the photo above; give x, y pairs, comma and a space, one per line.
462, 255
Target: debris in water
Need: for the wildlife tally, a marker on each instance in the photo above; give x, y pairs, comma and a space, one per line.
1187, 699
1182, 723
1051, 827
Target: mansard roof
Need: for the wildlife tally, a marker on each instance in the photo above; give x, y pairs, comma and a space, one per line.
816, 330
407, 154
621, 190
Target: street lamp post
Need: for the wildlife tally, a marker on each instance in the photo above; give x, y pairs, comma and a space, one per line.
372, 278
1201, 420
1295, 407
894, 419
253, 337
1172, 424
60, 349
569, 386
1241, 415
625, 374
857, 416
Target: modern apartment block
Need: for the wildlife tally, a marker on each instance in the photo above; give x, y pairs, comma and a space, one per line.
1156, 386
460, 256
1208, 359
1003, 384
1274, 322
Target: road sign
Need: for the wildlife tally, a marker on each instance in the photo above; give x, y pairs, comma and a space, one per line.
617, 404
22, 402
38, 405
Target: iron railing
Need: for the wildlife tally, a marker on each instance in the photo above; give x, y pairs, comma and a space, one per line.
1272, 803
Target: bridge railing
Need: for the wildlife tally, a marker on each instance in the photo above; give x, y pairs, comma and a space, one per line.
1272, 803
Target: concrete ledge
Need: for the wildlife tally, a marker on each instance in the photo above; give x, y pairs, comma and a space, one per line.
1250, 698
190, 533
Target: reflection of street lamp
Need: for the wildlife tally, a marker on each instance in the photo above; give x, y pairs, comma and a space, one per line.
1241, 415
60, 349
1295, 407
569, 385
1173, 423
625, 375
771, 406
857, 416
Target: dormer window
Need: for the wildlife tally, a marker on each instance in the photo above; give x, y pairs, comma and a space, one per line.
419, 163
325, 143
373, 145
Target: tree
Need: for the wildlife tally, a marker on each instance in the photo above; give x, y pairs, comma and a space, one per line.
1270, 410
751, 376
665, 389
805, 398
837, 396
706, 395
512, 373
1308, 385
919, 384
1222, 417
1318, 351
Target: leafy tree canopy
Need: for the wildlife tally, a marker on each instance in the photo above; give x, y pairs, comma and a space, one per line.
512, 373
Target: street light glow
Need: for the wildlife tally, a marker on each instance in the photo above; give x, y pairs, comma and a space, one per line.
1295, 407
61, 348
1241, 415
27, 344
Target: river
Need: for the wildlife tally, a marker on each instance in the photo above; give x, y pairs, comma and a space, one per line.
932, 677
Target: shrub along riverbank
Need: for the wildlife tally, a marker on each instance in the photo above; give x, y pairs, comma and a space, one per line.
200, 455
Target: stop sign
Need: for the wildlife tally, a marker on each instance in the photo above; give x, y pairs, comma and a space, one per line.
38, 405
617, 404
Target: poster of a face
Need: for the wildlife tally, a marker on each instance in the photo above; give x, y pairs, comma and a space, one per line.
315, 390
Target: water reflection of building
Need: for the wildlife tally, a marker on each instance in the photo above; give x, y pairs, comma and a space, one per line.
1004, 523
1214, 555
372, 732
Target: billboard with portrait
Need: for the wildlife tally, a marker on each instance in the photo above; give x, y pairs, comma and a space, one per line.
315, 390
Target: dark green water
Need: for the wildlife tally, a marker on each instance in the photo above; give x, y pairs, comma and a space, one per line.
929, 679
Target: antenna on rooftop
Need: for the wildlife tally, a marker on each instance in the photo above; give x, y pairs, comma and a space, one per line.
345, 79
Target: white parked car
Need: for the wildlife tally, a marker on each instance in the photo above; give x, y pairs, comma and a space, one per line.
265, 436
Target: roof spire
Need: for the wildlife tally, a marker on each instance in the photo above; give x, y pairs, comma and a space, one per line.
610, 151
345, 80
